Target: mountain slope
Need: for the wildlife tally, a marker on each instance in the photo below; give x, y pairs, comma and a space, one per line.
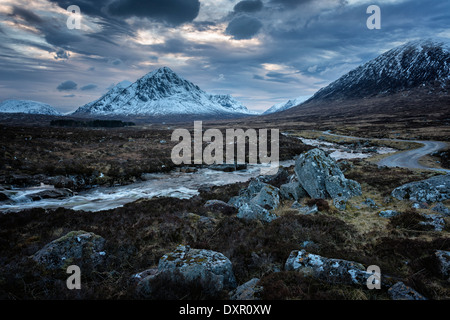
410, 66
162, 93
27, 107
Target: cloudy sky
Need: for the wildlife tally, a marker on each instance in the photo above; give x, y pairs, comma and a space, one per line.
261, 51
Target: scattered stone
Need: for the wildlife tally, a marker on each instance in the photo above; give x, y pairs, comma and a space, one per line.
440, 208
326, 269
434, 189
228, 167
268, 197
434, 220
388, 213
76, 247
221, 206
247, 291
252, 211
418, 205
210, 269
292, 191
51, 194
400, 291
370, 203
281, 177
305, 209
443, 258
321, 178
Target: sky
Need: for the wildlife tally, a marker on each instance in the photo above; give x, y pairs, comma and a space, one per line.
262, 52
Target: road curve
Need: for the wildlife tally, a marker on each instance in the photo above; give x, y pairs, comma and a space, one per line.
409, 158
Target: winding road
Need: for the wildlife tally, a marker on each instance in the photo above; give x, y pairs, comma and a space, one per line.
409, 158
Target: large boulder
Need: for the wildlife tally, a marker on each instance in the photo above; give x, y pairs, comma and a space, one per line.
400, 291
434, 189
209, 269
321, 178
76, 247
327, 269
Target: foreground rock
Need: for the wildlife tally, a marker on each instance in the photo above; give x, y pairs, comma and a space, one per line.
209, 269
321, 178
443, 258
434, 189
256, 201
76, 247
400, 291
326, 269
247, 291
51, 194
292, 190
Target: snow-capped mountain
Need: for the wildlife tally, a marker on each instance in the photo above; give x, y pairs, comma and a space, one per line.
28, 107
162, 93
285, 105
413, 65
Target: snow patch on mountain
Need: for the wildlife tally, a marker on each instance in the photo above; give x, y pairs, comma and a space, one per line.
161, 93
28, 107
413, 65
285, 105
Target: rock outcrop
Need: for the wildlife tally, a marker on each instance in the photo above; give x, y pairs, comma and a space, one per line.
434, 189
321, 178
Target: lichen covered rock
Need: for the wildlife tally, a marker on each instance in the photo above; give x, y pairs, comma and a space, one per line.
321, 178
400, 291
76, 247
434, 189
209, 269
327, 269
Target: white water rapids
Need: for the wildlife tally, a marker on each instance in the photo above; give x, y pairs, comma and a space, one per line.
174, 184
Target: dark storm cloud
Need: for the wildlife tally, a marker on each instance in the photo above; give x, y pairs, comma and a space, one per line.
248, 6
25, 14
67, 86
89, 87
89, 7
244, 27
173, 12
290, 3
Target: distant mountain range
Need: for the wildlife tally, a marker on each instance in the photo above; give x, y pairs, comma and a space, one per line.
28, 107
285, 105
162, 93
414, 77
